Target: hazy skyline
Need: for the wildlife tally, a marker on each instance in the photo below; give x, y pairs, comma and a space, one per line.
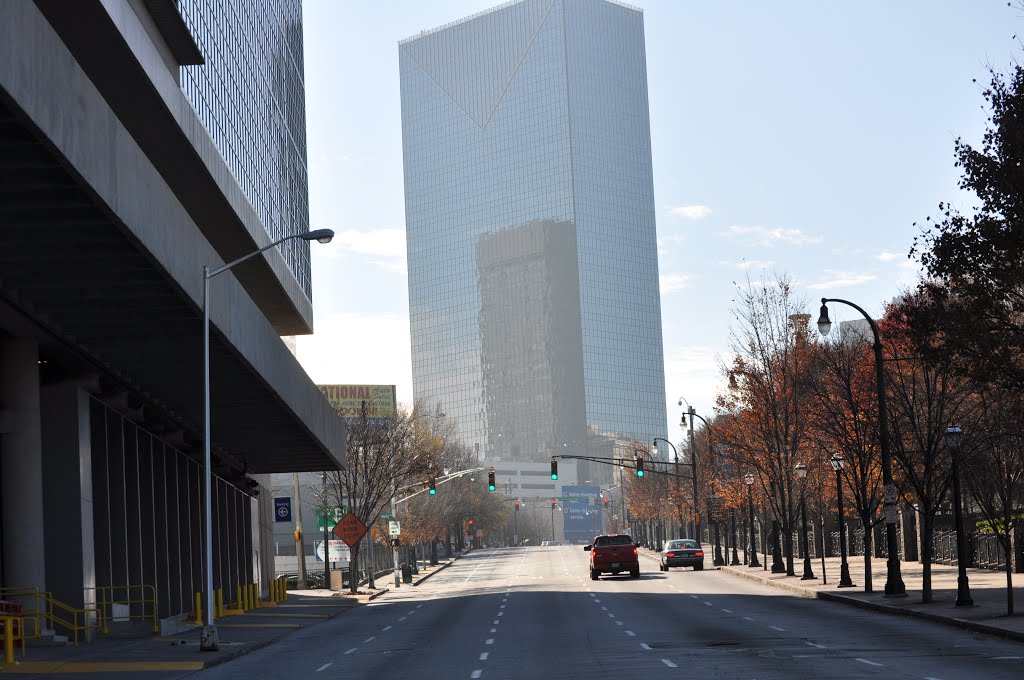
804, 138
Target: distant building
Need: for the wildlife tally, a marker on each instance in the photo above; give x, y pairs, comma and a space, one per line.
533, 269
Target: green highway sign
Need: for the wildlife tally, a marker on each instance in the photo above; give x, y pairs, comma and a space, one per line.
333, 516
386, 515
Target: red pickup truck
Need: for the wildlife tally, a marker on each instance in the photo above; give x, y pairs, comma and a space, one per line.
613, 554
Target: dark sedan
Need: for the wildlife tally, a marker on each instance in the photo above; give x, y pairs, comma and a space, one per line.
683, 552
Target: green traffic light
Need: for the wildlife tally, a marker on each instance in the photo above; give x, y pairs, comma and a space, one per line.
554, 476
490, 487
639, 473
433, 492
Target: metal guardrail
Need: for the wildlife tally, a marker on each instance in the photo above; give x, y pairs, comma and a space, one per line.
45, 608
140, 598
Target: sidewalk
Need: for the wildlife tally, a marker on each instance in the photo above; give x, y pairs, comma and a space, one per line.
988, 590
241, 634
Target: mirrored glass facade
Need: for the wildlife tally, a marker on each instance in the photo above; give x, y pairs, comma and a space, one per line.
251, 96
533, 272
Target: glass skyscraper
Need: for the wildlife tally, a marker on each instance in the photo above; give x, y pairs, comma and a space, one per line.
250, 94
533, 271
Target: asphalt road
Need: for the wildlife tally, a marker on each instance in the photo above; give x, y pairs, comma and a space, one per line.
522, 613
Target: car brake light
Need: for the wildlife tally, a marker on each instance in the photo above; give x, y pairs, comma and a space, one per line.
699, 553
634, 550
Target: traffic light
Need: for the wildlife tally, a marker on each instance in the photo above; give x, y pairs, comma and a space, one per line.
490, 480
553, 502
517, 505
432, 486
606, 502
396, 542
470, 522
639, 465
554, 469
298, 535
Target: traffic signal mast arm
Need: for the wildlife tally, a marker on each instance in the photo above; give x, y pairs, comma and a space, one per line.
624, 463
438, 482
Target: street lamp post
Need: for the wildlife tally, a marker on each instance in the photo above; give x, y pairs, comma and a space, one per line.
732, 537
209, 641
894, 586
844, 569
801, 473
748, 479
553, 504
954, 437
693, 463
693, 467
327, 544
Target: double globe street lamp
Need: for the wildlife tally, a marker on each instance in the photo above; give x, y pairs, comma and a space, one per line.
208, 639
894, 586
801, 473
954, 437
748, 479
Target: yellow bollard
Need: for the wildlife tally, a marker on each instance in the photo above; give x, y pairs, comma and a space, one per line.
239, 602
273, 591
284, 588
8, 639
199, 608
254, 595
219, 611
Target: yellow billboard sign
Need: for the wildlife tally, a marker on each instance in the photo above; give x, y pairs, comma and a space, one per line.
349, 400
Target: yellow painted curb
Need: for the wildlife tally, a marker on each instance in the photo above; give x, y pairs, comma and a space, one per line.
278, 615
46, 667
260, 625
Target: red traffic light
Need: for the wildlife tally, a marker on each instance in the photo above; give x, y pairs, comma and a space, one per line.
553, 502
470, 522
606, 501
517, 504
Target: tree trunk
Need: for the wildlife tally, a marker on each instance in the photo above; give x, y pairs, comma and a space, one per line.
927, 526
868, 587
1008, 548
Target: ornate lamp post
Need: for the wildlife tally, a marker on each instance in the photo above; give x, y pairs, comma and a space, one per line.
732, 537
894, 586
844, 570
748, 479
954, 437
801, 473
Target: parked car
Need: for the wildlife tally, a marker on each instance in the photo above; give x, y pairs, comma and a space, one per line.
683, 552
613, 554
545, 544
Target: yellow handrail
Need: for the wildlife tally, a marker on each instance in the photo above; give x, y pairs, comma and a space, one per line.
134, 594
90, 616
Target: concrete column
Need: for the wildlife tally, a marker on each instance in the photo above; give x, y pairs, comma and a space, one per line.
68, 497
21, 465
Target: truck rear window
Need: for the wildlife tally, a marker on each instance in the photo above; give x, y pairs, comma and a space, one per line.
613, 540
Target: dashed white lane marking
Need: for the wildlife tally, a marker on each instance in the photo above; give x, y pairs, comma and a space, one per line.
644, 645
812, 644
747, 618
489, 641
1006, 658
476, 674
402, 619
483, 656
418, 606
727, 611
630, 633
933, 678
324, 666
501, 613
370, 639
669, 663
610, 615
618, 623
604, 609
494, 630
501, 607
706, 603
496, 622
387, 627
870, 663
781, 630
351, 650
696, 597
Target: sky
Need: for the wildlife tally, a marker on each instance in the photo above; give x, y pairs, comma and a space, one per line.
796, 138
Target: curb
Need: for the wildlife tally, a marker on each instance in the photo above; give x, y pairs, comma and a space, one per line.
377, 594
885, 609
440, 567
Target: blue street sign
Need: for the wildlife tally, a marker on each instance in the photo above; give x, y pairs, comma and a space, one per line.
283, 509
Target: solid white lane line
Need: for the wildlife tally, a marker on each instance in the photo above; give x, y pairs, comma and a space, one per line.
387, 628
489, 641
483, 656
351, 650
370, 639
812, 644
747, 618
669, 663
476, 674
870, 663
781, 630
630, 633
1006, 658
644, 645
324, 666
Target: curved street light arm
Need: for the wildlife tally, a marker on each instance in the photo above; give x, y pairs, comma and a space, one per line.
871, 322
